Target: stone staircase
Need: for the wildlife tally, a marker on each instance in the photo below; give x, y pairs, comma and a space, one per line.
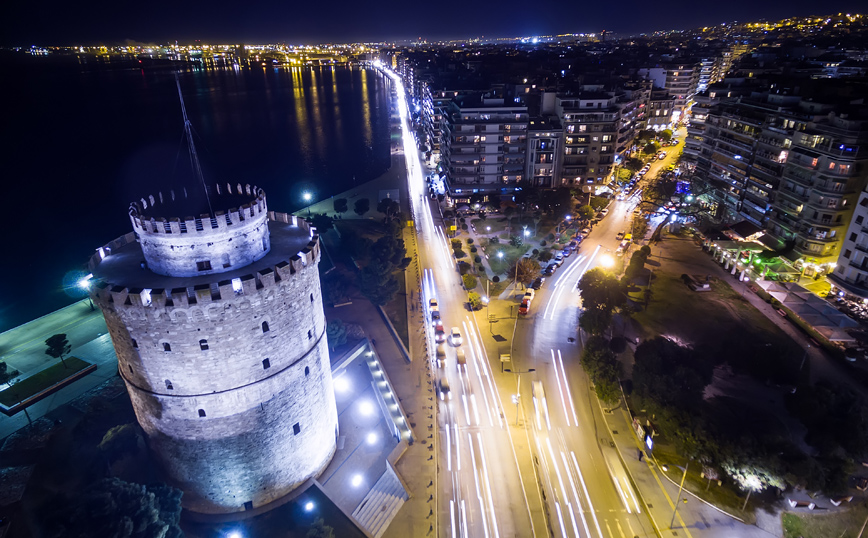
381, 504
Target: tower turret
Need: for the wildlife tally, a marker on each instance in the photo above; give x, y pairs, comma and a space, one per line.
218, 325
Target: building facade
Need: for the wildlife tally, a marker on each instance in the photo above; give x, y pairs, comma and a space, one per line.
218, 326
591, 122
484, 145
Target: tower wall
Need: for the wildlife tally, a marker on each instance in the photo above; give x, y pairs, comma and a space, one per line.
205, 245
230, 380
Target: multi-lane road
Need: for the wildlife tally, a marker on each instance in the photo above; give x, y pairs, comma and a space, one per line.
520, 454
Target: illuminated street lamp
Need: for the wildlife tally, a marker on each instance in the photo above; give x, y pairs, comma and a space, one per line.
84, 284
607, 261
517, 396
307, 198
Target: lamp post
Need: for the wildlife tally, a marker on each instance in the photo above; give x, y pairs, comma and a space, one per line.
743, 291
307, 198
680, 489
517, 396
84, 284
487, 301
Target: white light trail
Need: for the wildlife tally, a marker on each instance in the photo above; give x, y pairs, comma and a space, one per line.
561, 390
567, 385
576, 495
457, 448
560, 518
632, 495
488, 485
448, 450
560, 286
452, 515
588, 497
466, 410
623, 497
476, 481
463, 519
557, 472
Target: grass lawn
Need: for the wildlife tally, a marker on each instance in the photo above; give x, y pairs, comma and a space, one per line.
397, 311
720, 321
510, 253
41, 381
725, 496
844, 524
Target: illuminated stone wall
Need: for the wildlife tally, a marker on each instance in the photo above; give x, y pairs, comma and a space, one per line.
230, 380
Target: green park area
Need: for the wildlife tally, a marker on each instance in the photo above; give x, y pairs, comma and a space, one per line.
40, 381
844, 524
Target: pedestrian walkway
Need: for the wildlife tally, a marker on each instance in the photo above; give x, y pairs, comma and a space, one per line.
381, 504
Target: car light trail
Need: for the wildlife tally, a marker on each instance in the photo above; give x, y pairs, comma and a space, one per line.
463, 519
466, 410
560, 518
560, 286
576, 495
475, 408
561, 390
448, 450
557, 473
632, 495
567, 385
452, 515
585, 489
483, 361
457, 448
476, 481
488, 485
621, 493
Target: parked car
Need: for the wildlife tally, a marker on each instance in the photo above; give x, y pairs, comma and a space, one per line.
455, 334
525, 306
585, 232
537, 284
559, 258
620, 236
529, 294
604, 211
549, 270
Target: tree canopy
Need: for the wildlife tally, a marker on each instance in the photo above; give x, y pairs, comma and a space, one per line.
525, 270
58, 346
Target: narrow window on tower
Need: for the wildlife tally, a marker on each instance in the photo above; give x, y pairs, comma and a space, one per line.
226, 263
309, 335
130, 367
203, 266
266, 364
135, 344
296, 428
201, 413
311, 297
166, 346
265, 328
169, 385
203, 345
306, 371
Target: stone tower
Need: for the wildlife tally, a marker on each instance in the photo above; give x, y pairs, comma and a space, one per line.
218, 325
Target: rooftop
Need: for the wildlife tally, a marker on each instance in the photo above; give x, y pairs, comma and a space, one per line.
123, 266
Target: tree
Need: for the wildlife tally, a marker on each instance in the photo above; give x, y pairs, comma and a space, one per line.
475, 300
113, 508
595, 321
524, 270
336, 332
650, 149
391, 209
362, 206
58, 346
509, 212
645, 134
670, 375
600, 289
666, 135
545, 256
377, 281
494, 201
6, 375
120, 441
602, 368
586, 212
341, 205
469, 281
633, 164
322, 222
320, 530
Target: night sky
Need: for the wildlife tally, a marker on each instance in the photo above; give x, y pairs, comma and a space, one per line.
63, 22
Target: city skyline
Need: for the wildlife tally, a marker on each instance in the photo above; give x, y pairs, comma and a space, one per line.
59, 24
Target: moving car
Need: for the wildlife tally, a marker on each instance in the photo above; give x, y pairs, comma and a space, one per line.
432, 305
435, 317
443, 389
461, 360
439, 333
456, 336
539, 404
441, 355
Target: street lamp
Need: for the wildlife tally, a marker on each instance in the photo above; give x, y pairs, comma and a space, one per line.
84, 284
680, 489
307, 198
745, 280
517, 395
607, 261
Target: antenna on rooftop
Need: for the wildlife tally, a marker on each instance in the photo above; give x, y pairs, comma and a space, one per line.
194, 157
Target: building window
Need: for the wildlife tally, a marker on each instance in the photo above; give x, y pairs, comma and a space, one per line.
306, 371
203, 345
226, 263
847, 254
130, 367
203, 266
296, 428
311, 297
266, 364
135, 344
166, 346
169, 385
309, 335
853, 238
265, 328
201, 413
859, 220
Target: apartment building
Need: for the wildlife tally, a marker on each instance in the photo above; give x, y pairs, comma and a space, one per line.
484, 145
825, 172
680, 79
545, 138
591, 122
